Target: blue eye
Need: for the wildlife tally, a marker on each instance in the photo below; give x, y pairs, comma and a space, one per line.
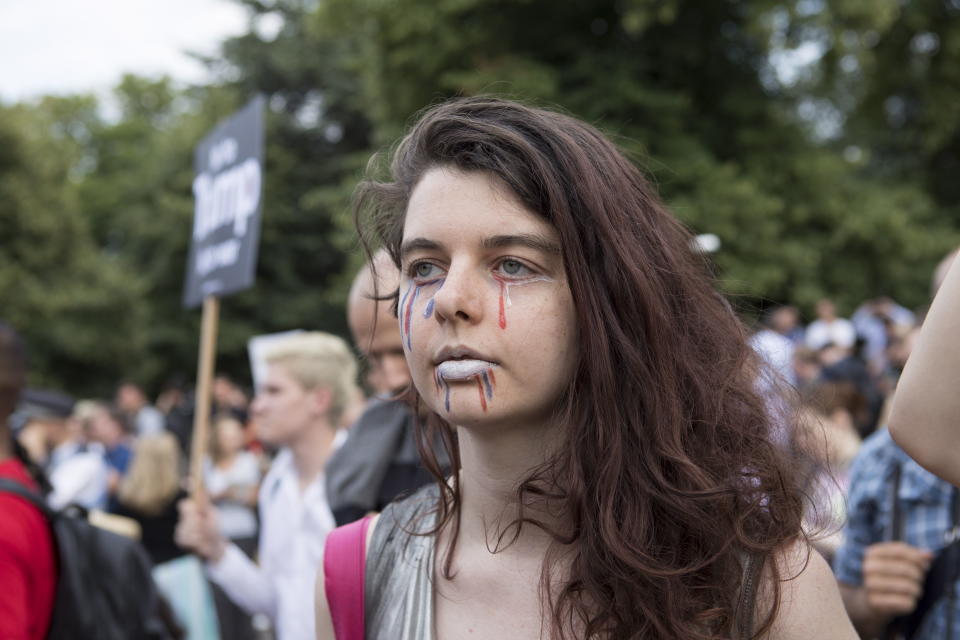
512, 267
422, 270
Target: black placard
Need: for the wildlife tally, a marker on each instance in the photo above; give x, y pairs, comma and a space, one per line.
227, 193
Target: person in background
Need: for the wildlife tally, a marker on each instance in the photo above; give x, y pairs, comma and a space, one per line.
829, 329
373, 325
773, 345
55, 438
876, 321
28, 564
898, 515
149, 494
232, 478
842, 365
785, 320
106, 427
806, 367
895, 546
826, 442
175, 402
310, 378
925, 417
228, 396
379, 460
132, 402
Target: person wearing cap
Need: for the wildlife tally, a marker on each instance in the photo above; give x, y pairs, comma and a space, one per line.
77, 470
28, 569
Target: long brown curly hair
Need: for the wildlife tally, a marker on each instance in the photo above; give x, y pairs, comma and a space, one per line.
666, 473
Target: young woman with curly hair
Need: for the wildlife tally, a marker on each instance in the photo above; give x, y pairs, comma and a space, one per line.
613, 474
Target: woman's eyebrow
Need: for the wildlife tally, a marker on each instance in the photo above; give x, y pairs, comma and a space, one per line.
530, 240
418, 244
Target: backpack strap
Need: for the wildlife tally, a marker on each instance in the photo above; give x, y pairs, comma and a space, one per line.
897, 525
344, 562
9, 485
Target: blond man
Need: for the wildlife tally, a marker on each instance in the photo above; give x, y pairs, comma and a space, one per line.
311, 377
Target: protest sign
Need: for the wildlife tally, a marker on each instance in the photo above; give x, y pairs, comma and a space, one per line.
223, 249
227, 193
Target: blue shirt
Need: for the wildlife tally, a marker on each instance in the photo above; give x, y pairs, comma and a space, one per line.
925, 504
118, 458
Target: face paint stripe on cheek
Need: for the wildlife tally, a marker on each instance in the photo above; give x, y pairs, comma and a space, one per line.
505, 301
401, 308
408, 312
483, 400
486, 384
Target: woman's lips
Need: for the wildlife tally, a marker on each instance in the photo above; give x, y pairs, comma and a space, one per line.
462, 369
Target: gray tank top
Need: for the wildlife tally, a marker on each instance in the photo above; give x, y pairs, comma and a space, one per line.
398, 578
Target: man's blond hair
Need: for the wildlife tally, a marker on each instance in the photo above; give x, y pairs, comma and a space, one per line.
316, 359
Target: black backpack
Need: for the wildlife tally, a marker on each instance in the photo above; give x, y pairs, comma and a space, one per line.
105, 590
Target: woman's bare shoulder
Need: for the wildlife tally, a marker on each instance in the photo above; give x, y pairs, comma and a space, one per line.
810, 604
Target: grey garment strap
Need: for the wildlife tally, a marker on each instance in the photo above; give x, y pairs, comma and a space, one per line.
398, 581
746, 606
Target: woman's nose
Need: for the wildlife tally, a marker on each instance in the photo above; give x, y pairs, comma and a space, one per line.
461, 296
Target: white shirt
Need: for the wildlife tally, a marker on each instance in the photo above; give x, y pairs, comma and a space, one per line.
839, 332
776, 351
78, 474
293, 528
237, 520
149, 421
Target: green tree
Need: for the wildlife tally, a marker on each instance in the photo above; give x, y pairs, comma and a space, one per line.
691, 90
58, 289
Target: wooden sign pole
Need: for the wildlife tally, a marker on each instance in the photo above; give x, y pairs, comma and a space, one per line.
201, 413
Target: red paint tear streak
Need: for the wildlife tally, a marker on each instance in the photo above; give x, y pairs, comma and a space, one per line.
503, 313
493, 379
483, 401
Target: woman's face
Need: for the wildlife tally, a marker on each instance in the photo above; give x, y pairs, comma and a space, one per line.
485, 311
229, 435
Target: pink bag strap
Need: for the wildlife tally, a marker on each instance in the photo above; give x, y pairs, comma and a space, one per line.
344, 560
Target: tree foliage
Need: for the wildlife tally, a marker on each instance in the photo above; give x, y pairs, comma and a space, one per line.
834, 177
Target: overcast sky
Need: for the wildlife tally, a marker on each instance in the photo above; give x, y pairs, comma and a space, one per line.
69, 46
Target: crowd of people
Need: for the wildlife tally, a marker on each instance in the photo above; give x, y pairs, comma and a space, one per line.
581, 464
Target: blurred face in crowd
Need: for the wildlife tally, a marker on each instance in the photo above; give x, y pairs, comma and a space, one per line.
41, 435
33, 438
784, 320
130, 398
901, 348
806, 365
283, 409
228, 394
104, 428
375, 332
381, 344
230, 436
826, 310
